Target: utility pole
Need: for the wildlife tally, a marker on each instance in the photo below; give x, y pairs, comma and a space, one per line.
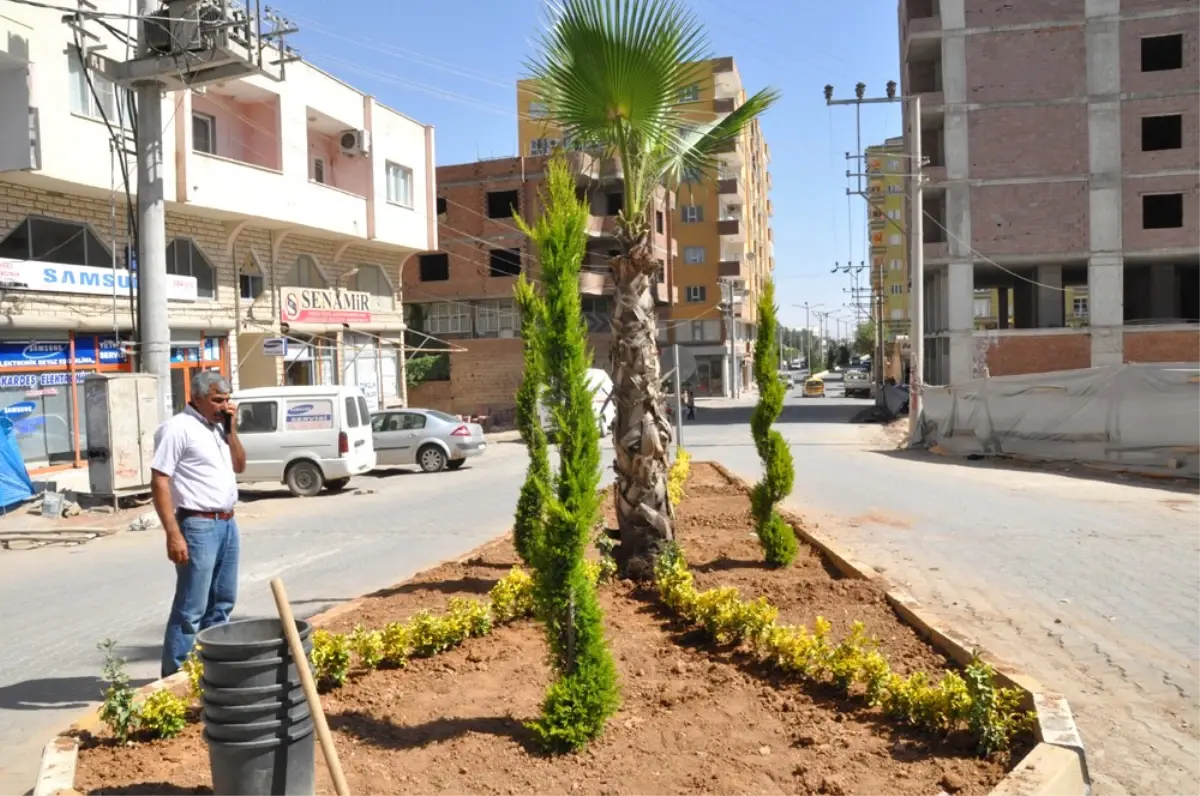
915, 237
808, 333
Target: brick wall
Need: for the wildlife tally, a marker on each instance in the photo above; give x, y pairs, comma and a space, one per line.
1135, 237
1134, 160
1013, 355
1026, 65
1030, 218
1177, 345
1047, 141
988, 13
1133, 30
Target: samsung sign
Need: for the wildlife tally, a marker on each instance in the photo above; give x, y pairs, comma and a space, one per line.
84, 279
57, 353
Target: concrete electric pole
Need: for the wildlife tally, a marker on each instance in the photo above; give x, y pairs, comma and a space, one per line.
808, 333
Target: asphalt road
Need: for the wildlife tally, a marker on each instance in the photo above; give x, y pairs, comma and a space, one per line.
1090, 584
58, 603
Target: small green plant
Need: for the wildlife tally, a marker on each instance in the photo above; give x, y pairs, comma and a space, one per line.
472, 616
163, 714
118, 710
396, 642
367, 646
428, 634
677, 476
994, 715
512, 596
331, 657
605, 545
193, 667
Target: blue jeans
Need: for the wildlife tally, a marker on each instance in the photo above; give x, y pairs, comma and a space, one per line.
205, 587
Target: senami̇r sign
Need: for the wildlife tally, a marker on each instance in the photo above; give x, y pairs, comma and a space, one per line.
324, 305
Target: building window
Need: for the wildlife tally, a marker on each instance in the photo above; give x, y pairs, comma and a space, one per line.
441, 205
893, 240
542, 146
399, 184
502, 204
983, 308
1162, 211
105, 97
318, 171
893, 166
184, 258
1162, 53
895, 189
690, 93
55, 241
894, 215
306, 273
433, 267
537, 110
896, 290
204, 133
693, 254
447, 317
250, 281
1162, 132
371, 279
1079, 306
614, 203
692, 214
696, 293
895, 265
658, 221
504, 262
496, 318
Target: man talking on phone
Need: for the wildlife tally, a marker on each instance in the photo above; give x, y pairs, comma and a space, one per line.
194, 485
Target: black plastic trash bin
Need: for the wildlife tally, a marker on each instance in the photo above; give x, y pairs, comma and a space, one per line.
249, 639
292, 709
279, 764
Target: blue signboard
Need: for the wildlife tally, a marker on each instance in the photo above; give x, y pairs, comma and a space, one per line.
14, 411
56, 353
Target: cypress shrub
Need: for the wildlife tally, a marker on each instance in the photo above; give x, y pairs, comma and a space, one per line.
776, 536
531, 505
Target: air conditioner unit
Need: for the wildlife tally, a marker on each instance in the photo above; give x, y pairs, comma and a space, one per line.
355, 142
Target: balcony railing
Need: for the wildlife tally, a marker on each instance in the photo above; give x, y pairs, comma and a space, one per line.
724, 105
729, 226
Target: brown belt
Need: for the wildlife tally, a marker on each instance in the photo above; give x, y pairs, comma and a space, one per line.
183, 514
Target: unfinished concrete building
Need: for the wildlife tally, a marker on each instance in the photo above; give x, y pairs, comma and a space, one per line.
1063, 159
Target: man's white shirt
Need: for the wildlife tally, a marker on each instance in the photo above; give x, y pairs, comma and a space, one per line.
194, 455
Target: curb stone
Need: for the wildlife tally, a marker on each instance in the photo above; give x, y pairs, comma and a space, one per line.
1058, 764
56, 771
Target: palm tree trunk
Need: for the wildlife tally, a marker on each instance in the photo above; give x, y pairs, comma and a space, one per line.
642, 436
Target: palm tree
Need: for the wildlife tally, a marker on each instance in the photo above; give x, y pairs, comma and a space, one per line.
610, 74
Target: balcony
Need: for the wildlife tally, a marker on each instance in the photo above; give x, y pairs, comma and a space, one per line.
731, 153
730, 189
596, 281
731, 269
731, 228
936, 251
602, 226
724, 105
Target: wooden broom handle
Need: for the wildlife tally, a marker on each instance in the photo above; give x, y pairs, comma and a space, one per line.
310, 688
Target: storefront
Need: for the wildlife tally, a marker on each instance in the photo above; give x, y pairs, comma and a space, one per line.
41, 385
309, 360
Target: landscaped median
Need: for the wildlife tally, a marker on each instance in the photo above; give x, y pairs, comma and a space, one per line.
812, 678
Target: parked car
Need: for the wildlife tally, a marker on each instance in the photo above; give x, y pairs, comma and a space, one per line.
814, 387
787, 379
309, 438
858, 384
430, 439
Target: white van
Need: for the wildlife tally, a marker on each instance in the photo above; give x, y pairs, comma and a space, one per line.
603, 406
308, 438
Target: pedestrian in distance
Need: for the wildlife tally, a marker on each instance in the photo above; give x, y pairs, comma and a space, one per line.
690, 397
197, 455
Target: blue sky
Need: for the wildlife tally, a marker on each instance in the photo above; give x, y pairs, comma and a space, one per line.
454, 64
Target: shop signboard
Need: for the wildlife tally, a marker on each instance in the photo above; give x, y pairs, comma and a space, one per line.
46, 277
275, 347
309, 415
51, 354
324, 305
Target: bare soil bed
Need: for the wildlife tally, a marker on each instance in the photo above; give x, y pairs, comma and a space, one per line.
694, 719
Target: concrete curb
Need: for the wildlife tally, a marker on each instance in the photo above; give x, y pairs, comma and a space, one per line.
1058, 764
56, 771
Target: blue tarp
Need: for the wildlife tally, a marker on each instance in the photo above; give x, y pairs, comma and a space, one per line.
15, 486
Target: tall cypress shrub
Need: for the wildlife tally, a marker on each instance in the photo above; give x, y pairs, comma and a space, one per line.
777, 538
531, 505
585, 693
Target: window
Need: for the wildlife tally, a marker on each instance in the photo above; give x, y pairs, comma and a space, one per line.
894, 215
371, 279
537, 110
893, 166
614, 203
504, 262
55, 241
496, 318
983, 308
897, 315
105, 98
693, 254
691, 174
250, 281
1162, 53
692, 214
352, 412
893, 240
705, 331
690, 93
260, 417
696, 293
399, 184
447, 318
433, 267
658, 221
897, 290
895, 265
441, 205
502, 204
895, 189
1162, 211
1162, 132
1079, 306
542, 146
306, 273
318, 170
412, 421
204, 133
184, 258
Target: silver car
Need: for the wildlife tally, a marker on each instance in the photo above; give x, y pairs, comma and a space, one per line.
428, 438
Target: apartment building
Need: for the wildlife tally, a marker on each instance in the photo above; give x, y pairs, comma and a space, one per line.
721, 220
1063, 160
887, 166
459, 299
291, 207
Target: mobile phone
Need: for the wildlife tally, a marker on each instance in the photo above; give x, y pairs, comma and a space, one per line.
227, 422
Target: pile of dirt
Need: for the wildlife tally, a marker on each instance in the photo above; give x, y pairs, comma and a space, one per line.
694, 719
